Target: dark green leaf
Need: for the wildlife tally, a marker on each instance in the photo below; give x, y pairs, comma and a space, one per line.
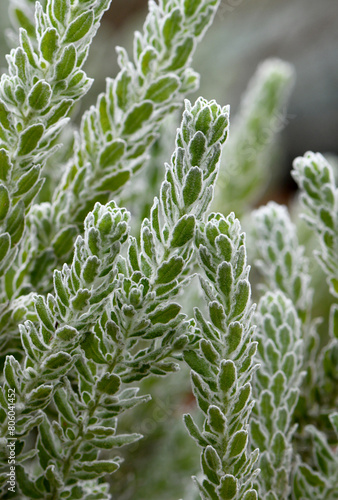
40, 96
5, 164
16, 222
112, 153
165, 314
48, 439
212, 459
312, 477
198, 364
63, 242
64, 406
182, 54
57, 362
59, 111
194, 430
242, 398
27, 181
40, 394
242, 297
26, 485
216, 419
114, 181
218, 129
227, 375
5, 243
197, 148
80, 301
193, 186
169, 270
66, 333
98, 468
44, 313
217, 314
12, 371
4, 116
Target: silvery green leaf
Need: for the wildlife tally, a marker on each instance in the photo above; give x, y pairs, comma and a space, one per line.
163, 89
79, 27
40, 95
109, 383
136, 117
30, 138
228, 487
99, 468
116, 441
26, 484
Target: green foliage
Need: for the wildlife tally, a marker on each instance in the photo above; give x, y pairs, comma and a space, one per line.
319, 481
279, 257
315, 177
222, 363
276, 390
247, 158
157, 270
35, 98
96, 305
116, 135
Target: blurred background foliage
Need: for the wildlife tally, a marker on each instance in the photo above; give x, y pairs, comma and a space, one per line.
245, 33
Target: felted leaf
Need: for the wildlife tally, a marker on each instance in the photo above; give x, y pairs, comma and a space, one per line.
4, 202
227, 375
97, 468
194, 431
109, 383
216, 419
192, 186
136, 117
169, 270
112, 153
4, 245
64, 406
79, 27
238, 443
40, 95
116, 441
67, 62
49, 44
162, 89
183, 231
63, 242
30, 138
228, 487
165, 314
